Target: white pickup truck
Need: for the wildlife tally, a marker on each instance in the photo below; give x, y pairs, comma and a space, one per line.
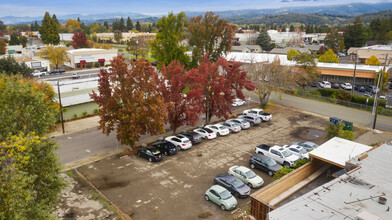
38, 73
258, 113
279, 154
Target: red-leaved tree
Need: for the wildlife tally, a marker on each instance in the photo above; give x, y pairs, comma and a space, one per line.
129, 100
218, 83
79, 40
183, 108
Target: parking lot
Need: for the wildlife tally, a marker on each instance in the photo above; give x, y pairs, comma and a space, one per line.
174, 187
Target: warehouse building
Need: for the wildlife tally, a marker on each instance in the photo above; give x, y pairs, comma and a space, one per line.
90, 57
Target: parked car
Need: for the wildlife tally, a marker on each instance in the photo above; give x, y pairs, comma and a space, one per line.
221, 196
367, 94
238, 102
253, 120
205, 133
325, 84
359, 88
259, 113
264, 163
247, 176
301, 152
75, 75
383, 97
371, 89
57, 71
182, 143
241, 122
307, 145
233, 127
314, 84
279, 154
38, 73
335, 85
347, 86
194, 137
235, 186
150, 153
165, 147
219, 129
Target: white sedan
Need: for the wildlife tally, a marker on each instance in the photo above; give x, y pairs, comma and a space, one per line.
206, 133
238, 102
219, 129
301, 152
347, 86
247, 176
233, 127
180, 142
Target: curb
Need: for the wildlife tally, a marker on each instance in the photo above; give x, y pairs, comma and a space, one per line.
59, 133
83, 162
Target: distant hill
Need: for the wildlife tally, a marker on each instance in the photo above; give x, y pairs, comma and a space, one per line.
331, 14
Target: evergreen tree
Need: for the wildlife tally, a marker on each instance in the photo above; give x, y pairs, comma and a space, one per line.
264, 41
355, 36
36, 26
54, 17
292, 28
32, 27
79, 20
106, 24
129, 24
49, 30
138, 26
122, 24
14, 39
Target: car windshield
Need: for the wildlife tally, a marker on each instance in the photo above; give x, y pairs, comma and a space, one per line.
237, 183
286, 153
250, 174
243, 122
303, 151
221, 128
156, 152
271, 162
225, 195
187, 141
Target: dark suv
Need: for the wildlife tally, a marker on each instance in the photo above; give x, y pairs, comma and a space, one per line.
165, 147
264, 163
194, 137
57, 71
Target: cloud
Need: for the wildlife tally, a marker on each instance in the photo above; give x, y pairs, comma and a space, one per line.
299, 0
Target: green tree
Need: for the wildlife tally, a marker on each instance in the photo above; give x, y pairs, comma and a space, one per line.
291, 53
292, 28
129, 24
332, 40
117, 36
23, 41
138, 26
355, 36
337, 131
264, 40
167, 46
49, 30
342, 46
373, 60
122, 24
56, 55
329, 57
29, 179
14, 39
3, 47
210, 36
10, 66
26, 106
306, 69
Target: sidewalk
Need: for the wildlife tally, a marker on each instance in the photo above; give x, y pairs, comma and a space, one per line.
75, 126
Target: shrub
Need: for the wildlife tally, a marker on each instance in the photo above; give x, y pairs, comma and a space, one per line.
337, 131
89, 65
327, 92
281, 172
84, 114
96, 111
96, 64
300, 163
75, 115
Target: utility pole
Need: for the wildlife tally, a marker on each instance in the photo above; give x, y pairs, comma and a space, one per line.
377, 97
61, 107
355, 69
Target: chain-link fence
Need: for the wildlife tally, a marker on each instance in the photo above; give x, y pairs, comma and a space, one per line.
381, 110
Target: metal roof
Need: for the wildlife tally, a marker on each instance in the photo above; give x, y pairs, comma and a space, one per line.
349, 196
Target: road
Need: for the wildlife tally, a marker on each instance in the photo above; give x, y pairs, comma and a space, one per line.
68, 75
92, 142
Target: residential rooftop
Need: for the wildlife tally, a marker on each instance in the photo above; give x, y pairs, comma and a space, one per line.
377, 47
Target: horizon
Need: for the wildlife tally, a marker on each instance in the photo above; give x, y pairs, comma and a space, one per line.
23, 8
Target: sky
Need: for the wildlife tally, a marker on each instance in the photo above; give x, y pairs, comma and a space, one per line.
21, 8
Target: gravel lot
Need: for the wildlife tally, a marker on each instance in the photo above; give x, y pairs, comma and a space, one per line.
174, 188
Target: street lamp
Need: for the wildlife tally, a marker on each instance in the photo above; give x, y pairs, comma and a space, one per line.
355, 69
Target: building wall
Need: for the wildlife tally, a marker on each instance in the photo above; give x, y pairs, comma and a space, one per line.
126, 36
91, 57
365, 54
343, 76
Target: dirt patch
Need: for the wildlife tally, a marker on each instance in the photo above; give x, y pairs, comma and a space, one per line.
309, 134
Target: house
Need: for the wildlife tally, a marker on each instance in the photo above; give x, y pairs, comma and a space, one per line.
247, 48
362, 191
379, 51
286, 49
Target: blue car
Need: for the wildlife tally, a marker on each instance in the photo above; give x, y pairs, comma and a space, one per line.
165, 147
235, 186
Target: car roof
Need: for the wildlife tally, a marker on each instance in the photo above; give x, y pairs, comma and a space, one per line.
226, 177
241, 168
189, 132
218, 188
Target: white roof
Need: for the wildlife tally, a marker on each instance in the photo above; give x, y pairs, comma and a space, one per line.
350, 66
377, 47
348, 196
85, 50
338, 151
258, 58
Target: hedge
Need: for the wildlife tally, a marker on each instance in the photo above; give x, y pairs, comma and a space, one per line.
340, 94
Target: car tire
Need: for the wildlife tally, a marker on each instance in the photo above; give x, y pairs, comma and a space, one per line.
287, 165
223, 207
178, 148
206, 197
252, 166
250, 185
149, 159
270, 173
236, 194
260, 153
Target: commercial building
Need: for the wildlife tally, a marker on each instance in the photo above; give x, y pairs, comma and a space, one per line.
126, 36
35, 63
244, 48
90, 57
278, 199
363, 191
379, 51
